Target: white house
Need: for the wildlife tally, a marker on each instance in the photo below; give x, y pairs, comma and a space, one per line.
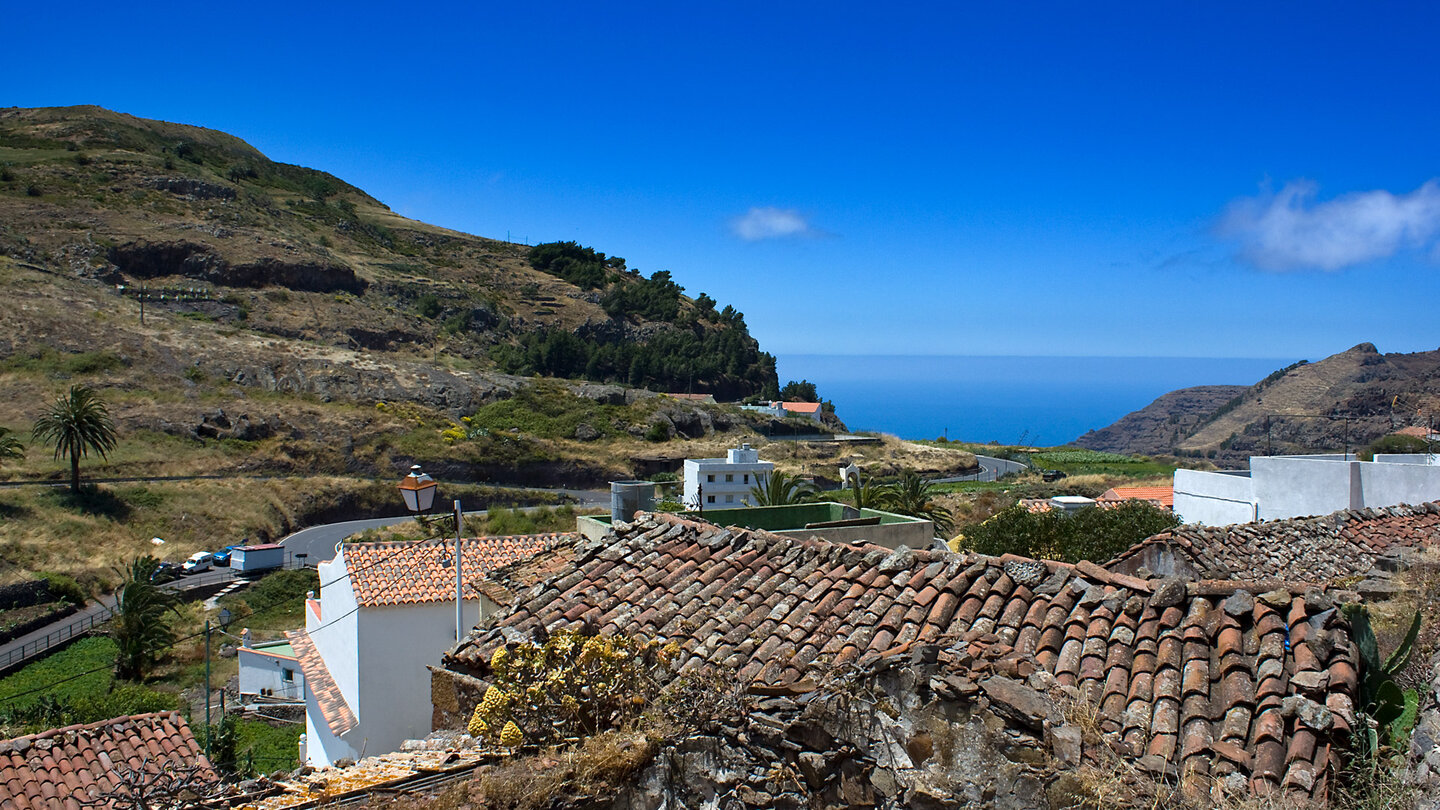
270, 670
722, 482
1277, 487
384, 611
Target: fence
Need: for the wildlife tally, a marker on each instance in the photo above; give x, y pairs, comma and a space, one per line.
13, 657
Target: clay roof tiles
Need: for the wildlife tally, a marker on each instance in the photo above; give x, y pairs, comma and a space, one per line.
51, 769
333, 706
1316, 549
414, 573
1182, 673
1164, 495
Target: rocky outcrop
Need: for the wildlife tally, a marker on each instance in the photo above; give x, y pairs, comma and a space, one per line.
146, 260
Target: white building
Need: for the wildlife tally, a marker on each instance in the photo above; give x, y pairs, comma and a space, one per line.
269, 670
722, 482
1277, 487
384, 612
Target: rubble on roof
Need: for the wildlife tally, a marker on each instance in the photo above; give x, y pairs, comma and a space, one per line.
1234, 683
1344, 544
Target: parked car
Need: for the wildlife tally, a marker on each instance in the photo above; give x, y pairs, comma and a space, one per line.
165, 572
222, 557
197, 562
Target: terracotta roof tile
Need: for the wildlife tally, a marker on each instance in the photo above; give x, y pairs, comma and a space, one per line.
59, 768
1163, 495
318, 680
1315, 549
1173, 680
413, 573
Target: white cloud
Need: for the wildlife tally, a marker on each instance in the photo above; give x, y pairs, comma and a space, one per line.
771, 223
1289, 230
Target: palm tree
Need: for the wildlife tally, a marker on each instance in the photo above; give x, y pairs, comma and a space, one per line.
779, 489
77, 423
912, 496
867, 496
10, 447
140, 628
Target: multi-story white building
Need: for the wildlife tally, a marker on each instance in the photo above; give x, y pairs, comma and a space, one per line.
722, 482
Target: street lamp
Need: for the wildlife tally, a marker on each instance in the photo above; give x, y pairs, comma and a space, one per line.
418, 489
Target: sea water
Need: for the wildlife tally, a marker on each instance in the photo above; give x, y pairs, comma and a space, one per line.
1041, 401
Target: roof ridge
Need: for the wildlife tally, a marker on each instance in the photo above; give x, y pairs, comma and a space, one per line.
170, 714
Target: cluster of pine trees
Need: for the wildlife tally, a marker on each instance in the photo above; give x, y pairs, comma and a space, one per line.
707, 350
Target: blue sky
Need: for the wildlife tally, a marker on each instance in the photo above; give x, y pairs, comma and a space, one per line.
1148, 179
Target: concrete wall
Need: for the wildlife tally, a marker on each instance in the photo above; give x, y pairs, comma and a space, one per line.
1214, 498
1407, 458
1293, 487
1299, 486
894, 530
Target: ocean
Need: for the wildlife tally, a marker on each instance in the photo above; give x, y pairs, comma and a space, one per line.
1040, 401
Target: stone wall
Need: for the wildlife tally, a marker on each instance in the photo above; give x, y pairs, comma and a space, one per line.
1424, 771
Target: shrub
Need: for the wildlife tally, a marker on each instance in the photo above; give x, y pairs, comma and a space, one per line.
1092, 533
429, 306
65, 587
571, 686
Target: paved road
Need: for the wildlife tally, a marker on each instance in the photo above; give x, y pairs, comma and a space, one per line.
318, 542
990, 470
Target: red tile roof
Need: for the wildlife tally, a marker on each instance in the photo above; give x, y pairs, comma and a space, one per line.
415, 573
332, 704
1165, 495
801, 407
60, 768
1317, 549
1178, 672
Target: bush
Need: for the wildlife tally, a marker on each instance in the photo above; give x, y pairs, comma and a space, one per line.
1094, 533
1395, 443
428, 306
65, 587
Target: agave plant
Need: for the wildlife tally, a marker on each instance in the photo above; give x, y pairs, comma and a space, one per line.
1381, 697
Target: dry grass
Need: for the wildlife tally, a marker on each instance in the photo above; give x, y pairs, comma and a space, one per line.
596, 770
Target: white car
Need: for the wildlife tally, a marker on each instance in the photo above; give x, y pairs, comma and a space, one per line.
197, 562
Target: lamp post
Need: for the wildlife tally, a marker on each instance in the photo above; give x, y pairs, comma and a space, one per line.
418, 489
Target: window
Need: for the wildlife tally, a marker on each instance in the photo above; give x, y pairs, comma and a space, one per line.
709, 479
729, 478
709, 498
729, 499
747, 478
287, 675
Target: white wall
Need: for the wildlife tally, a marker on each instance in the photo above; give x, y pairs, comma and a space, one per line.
697, 484
260, 670
1213, 498
1293, 487
396, 642
1281, 487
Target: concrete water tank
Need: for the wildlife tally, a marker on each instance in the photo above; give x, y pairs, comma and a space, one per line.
629, 497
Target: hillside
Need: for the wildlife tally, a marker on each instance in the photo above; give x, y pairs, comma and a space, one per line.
286, 338
262, 251
1346, 400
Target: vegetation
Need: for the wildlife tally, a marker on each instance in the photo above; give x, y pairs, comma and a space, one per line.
581, 266
1093, 533
77, 423
779, 489
1396, 443
914, 496
141, 627
75, 685
571, 686
10, 447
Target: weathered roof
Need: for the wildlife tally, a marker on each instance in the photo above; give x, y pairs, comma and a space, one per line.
1164, 495
51, 769
332, 703
1316, 549
414, 573
1189, 674
502, 585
